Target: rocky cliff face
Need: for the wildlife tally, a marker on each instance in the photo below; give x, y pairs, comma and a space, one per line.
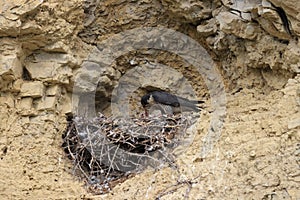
48, 48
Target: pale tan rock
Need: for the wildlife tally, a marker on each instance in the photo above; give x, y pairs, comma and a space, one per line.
232, 24
51, 70
31, 27
7, 100
60, 58
66, 104
291, 9
271, 22
42, 70
111, 72
26, 103
243, 6
292, 53
274, 79
25, 107
86, 79
10, 64
53, 90
104, 81
63, 75
208, 28
45, 116
189, 11
263, 12
24, 120
47, 103
23, 6
5, 7
17, 85
291, 88
294, 123
10, 28
32, 89
58, 47
10, 24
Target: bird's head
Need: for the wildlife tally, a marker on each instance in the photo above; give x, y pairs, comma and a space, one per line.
145, 100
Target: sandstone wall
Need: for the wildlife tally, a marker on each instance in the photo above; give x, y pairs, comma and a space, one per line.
45, 44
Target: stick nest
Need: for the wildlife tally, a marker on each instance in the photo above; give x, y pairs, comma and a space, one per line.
107, 151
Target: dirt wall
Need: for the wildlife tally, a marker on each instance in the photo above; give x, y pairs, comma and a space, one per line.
255, 48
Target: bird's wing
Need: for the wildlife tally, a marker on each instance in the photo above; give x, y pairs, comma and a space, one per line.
187, 102
165, 98
175, 101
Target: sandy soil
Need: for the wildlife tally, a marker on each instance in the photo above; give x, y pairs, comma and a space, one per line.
256, 157
43, 45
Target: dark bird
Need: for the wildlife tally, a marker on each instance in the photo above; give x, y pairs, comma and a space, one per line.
168, 103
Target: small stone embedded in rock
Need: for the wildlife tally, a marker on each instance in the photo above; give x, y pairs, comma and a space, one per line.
252, 154
58, 47
53, 90
232, 24
32, 89
26, 103
294, 123
48, 103
7, 100
49, 69
207, 29
104, 81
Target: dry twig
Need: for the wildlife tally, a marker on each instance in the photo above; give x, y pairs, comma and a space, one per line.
106, 151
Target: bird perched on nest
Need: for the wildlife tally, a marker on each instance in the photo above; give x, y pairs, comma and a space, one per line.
168, 103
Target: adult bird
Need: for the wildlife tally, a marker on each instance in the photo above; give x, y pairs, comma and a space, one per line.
168, 103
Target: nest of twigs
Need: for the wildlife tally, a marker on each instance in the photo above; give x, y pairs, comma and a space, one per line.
106, 151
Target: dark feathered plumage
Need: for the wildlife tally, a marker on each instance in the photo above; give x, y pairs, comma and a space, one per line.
178, 104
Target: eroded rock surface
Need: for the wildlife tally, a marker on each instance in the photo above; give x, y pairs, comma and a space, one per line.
44, 45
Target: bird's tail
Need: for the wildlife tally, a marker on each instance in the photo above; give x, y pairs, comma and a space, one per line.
191, 105
197, 101
197, 105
